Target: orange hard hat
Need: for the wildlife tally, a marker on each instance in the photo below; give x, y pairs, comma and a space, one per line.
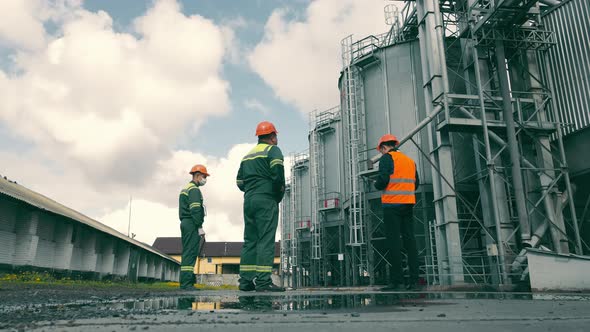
387, 138
199, 168
265, 128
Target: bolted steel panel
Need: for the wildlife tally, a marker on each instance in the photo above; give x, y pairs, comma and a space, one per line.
569, 62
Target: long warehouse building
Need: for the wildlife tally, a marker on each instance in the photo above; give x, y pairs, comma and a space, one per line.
39, 233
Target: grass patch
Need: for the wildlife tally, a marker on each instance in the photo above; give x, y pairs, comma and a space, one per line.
221, 287
47, 279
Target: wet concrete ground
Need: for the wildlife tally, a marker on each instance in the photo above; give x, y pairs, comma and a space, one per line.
324, 310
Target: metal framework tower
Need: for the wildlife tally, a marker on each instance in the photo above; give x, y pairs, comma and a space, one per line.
483, 66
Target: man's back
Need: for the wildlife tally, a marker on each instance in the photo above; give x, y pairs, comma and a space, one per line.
261, 172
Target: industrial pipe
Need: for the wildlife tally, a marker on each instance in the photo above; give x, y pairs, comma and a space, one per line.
550, 2
532, 243
517, 182
413, 132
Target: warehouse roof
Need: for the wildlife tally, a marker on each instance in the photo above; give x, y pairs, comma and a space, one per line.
173, 246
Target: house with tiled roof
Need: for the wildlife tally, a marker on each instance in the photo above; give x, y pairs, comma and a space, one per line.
214, 258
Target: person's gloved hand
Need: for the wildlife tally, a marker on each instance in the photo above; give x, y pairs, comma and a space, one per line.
201, 231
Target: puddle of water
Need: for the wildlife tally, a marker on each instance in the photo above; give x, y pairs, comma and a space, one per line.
374, 302
362, 302
358, 302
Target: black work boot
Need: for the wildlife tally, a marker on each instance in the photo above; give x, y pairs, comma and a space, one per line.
270, 288
249, 287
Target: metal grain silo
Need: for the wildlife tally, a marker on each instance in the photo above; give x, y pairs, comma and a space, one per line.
301, 210
327, 183
288, 259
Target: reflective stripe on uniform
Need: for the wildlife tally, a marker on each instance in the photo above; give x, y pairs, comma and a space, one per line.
247, 268
399, 192
399, 180
194, 205
259, 151
275, 162
190, 186
187, 268
264, 269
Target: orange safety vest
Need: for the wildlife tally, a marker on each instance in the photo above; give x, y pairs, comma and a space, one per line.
402, 183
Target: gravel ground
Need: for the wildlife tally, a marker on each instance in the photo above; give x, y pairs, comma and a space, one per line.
23, 304
25, 307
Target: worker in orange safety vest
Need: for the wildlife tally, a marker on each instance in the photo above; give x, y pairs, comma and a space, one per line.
398, 179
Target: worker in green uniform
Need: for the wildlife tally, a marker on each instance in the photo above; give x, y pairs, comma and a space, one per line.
192, 215
262, 179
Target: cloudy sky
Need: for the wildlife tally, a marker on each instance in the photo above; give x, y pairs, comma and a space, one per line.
101, 100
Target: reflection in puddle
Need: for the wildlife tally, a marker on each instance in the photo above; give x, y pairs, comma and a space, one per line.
372, 302
333, 302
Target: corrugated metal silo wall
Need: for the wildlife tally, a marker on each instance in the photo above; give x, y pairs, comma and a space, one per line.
569, 62
333, 165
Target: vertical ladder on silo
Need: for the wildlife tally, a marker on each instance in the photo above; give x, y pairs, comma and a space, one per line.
353, 91
294, 198
316, 230
285, 243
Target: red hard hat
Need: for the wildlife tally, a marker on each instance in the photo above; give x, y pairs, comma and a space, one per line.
199, 168
387, 138
265, 128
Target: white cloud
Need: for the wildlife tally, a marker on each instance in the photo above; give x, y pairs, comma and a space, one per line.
301, 60
235, 47
112, 102
18, 25
238, 22
21, 21
256, 105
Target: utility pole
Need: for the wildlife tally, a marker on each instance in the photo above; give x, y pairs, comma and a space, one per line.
129, 222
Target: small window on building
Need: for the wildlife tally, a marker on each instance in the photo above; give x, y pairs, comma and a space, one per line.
209, 260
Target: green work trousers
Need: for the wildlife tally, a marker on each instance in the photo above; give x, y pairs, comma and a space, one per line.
190, 250
261, 218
